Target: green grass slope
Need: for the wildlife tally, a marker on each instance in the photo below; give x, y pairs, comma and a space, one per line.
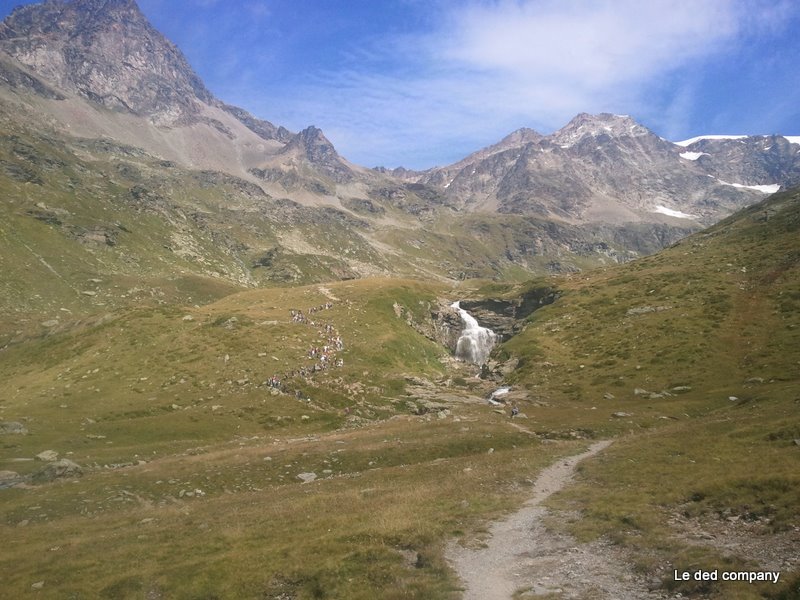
191, 484
693, 357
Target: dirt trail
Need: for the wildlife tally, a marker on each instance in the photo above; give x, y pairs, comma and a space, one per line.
523, 557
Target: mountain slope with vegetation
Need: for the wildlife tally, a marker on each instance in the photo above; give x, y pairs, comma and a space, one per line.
691, 355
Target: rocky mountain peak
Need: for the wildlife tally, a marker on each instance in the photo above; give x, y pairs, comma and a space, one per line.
584, 125
311, 145
106, 51
523, 135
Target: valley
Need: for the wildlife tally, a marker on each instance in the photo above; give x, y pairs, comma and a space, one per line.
190, 458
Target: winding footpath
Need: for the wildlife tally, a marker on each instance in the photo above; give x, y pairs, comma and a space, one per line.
522, 555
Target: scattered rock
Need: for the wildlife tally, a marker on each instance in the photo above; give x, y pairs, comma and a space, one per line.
609, 396
188, 318
12, 428
50, 323
797, 441
307, 477
755, 380
621, 415
38, 585
10, 479
645, 309
640, 392
89, 293
679, 389
47, 456
58, 469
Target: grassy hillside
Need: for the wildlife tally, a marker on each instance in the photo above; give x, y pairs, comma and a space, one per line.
144, 309
692, 356
190, 486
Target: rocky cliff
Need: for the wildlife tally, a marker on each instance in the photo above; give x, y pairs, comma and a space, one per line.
608, 168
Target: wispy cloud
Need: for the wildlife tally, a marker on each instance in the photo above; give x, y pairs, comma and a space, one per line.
487, 67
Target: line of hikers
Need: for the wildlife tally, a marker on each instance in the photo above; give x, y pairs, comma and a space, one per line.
324, 355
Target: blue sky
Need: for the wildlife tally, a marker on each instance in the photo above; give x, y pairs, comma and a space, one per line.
424, 82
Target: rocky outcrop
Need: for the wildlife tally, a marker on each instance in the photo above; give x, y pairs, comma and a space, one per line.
57, 470
506, 317
107, 52
311, 146
443, 327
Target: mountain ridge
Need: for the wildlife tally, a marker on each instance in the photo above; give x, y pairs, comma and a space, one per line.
285, 206
611, 167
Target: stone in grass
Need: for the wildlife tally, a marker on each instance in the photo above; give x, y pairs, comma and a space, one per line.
621, 415
47, 456
12, 428
57, 470
307, 477
9, 479
38, 585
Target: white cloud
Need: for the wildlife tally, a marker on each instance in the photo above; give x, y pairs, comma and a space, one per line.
589, 44
491, 66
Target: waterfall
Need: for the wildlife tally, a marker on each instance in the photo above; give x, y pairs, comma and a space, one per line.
476, 342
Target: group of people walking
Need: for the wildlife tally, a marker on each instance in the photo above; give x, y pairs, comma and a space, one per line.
324, 354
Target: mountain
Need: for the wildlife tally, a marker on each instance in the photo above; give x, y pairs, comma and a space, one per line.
140, 172
117, 76
609, 168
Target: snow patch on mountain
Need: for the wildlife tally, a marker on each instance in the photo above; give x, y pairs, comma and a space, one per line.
691, 141
693, 155
764, 189
673, 213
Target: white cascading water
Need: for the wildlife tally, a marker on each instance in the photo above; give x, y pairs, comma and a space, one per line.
476, 342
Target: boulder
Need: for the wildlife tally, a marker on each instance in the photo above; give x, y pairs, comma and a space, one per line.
12, 428
10, 479
57, 470
47, 456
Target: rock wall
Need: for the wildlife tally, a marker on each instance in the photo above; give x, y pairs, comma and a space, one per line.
506, 316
